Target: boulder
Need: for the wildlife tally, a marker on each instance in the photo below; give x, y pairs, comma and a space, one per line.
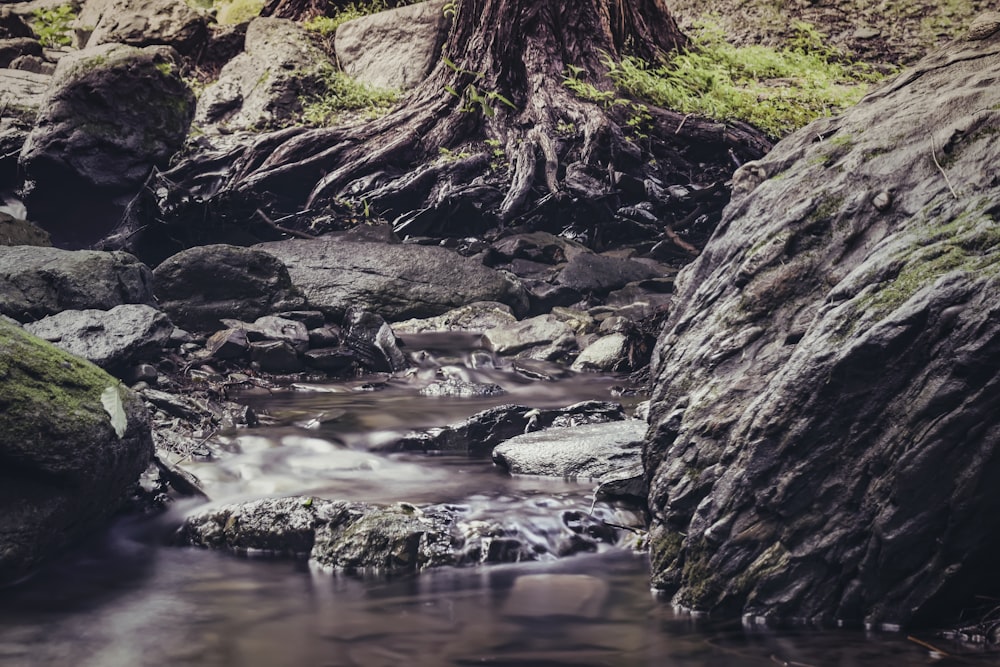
36, 282
479, 316
13, 48
21, 94
142, 23
396, 48
261, 87
824, 439
607, 353
73, 443
397, 281
587, 451
14, 231
113, 113
201, 286
535, 337
112, 339
599, 274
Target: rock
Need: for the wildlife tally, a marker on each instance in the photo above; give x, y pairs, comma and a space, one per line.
261, 87
600, 274
66, 469
328, 336
586, 451
824, 428
535, 337
143, 23
458, 388
33, 64
36, 282
607, 353
112, 339
275, 356
14, 231
201, 286
475, 317
396, 281
271, 328
483, 431
16, 47
393, 49
540, 247
334, 360
22, 94
228, 344
373, 342
113, 113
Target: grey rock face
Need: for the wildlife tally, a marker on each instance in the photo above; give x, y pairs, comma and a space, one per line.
824, 427
261, 87
599, 274
396, 281
393, 49
588, 451
144, 23
540, 337
36, 282
65, 469
21, 94
14, 231
113, 113
201, 286
112, 339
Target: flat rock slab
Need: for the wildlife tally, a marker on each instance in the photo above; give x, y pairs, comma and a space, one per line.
396, 281
589, 451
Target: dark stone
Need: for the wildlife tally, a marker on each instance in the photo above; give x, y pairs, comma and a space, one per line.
600, 274
14, 231
228, 344
335, 361
12, 48
324, 337
373, 342
275, 356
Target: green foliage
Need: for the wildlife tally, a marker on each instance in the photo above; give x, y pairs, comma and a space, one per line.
334, 93
53, 25
327, 25
776, 90
474, 100
235, 12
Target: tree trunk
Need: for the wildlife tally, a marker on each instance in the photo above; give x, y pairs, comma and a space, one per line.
494, 136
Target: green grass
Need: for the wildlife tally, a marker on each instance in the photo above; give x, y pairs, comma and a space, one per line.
327, 25
235, 12
334, 93
776, 90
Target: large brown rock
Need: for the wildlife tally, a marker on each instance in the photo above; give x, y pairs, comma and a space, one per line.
824, 439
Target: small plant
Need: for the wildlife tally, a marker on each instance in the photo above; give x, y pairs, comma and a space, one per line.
498, 158
333, 92
450, 8
473, 100
53, 25
448, 155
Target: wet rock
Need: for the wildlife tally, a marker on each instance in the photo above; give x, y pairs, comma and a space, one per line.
480, 433
540, 247
113, 339
36, 282
393, 49
142, 23
324, 337
262, 87
540, 337
228, 344
336, 360
201, 286
272, 328
478, 316
113, 113
458, 388
607, 353
600, 274
585, 451
823, 426
396, 281
275, 356
373, 342
66, 468
14, 231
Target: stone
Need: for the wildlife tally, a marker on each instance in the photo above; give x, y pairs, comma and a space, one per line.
262, 87
14, 231
112, 114
823, 423
474, 317
112, 339
36, 282
372, 341
143, 23
540, 247
600, 274
587, 451
393, 49
16, 47
607, 353
228, 344
22, 94
66, 468
394, 280
540, 331
201, 286
271, 328
333, 360
275, 356
458, 388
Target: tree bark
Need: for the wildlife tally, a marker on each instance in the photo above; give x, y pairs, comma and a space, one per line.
517, 142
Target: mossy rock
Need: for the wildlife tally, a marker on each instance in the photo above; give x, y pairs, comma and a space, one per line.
63, 467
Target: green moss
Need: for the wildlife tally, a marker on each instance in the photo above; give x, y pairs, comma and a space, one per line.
235, 12
330, 93
664, 548
777, 90
37, 381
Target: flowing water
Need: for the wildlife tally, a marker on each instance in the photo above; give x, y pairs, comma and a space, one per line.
126, 600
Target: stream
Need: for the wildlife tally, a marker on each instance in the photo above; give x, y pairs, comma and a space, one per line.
126, 600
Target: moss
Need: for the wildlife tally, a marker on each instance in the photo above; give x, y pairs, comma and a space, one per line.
38, 380
664, 548
235, 12
773, 561
330, 93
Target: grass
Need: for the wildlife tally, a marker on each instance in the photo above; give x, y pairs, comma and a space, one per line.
235, 12
326, 26
777, 90
334, 93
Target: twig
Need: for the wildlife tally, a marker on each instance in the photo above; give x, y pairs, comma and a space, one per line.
941, 169
683, 120
928, 646
284, 230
